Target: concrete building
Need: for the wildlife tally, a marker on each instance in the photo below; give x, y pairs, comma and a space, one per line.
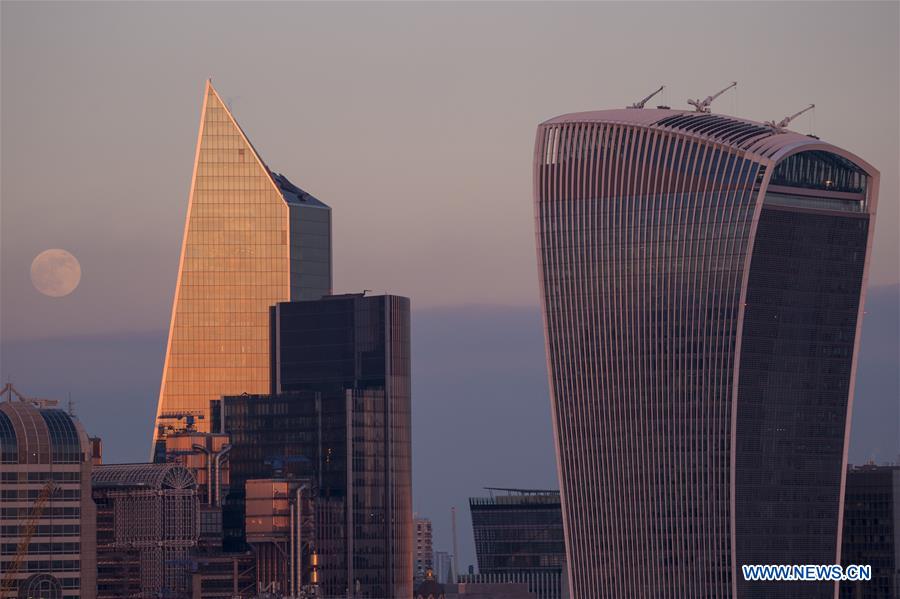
703, 282
47, 518
147, 516
424, 552
252, 239
872, 530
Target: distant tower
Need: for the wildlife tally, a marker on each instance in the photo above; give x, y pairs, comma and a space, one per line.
703, 280
424, 551
454, 568
251, 239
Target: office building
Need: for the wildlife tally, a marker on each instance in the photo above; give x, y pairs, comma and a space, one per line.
339, 416
147, 524
519, 538
47, 518
423, 561
702, 280
251, 239
871, 532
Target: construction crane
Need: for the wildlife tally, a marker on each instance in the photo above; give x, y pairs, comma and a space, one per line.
780, 125
9, 391
27, 533
647, 99
703, 105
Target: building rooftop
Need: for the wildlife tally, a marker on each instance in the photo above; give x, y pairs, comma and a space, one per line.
753, 137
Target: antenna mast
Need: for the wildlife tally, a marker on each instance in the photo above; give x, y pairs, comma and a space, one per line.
645, 100
780, 125
703, 105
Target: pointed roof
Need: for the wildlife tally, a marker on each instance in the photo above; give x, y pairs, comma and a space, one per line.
289, 192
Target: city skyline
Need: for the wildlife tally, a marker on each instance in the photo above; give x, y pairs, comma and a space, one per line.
115, 196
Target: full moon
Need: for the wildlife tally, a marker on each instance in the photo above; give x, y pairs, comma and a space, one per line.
55, 273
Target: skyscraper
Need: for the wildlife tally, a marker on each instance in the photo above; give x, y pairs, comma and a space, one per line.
519, 538
339, 415
251, 239
702, 280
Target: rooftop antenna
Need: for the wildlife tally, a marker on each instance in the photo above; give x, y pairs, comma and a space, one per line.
780, 125
703, 105
645, 100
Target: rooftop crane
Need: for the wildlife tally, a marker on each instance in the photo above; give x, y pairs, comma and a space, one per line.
703, 105
780, 125
9, 391
647, 99
27, 533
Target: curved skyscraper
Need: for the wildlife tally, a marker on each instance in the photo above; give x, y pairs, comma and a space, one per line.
251, 239
702, 280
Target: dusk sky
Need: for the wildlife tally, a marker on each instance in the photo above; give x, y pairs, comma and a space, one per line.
415, 122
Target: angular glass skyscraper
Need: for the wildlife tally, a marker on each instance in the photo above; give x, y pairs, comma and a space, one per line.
251, 239
702, 280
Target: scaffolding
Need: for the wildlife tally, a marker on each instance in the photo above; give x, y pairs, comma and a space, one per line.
154, 509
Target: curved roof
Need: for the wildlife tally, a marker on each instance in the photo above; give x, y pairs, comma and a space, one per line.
755, 138
30, 434
153, 476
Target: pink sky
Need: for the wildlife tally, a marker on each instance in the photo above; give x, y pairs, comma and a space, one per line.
414, 121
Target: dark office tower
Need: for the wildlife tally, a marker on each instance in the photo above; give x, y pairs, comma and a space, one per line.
872, 530
251, 239
339, 414
519, 538
702, 280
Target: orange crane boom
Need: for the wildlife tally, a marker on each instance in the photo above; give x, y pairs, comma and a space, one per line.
36, 512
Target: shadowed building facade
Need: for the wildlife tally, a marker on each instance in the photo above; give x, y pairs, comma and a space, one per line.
338, 416
251, 239
702, 280
519, 538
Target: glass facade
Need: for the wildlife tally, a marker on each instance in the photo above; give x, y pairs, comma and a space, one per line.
519, 538
798, 340
252, 239
339, 415
660, 254
872, 530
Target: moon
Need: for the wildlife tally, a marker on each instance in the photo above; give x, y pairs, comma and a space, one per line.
55, 273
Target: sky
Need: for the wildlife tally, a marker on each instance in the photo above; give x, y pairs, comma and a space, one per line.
415, 122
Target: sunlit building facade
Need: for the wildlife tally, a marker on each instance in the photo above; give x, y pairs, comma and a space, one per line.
251, 239
702, 280
47, 517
